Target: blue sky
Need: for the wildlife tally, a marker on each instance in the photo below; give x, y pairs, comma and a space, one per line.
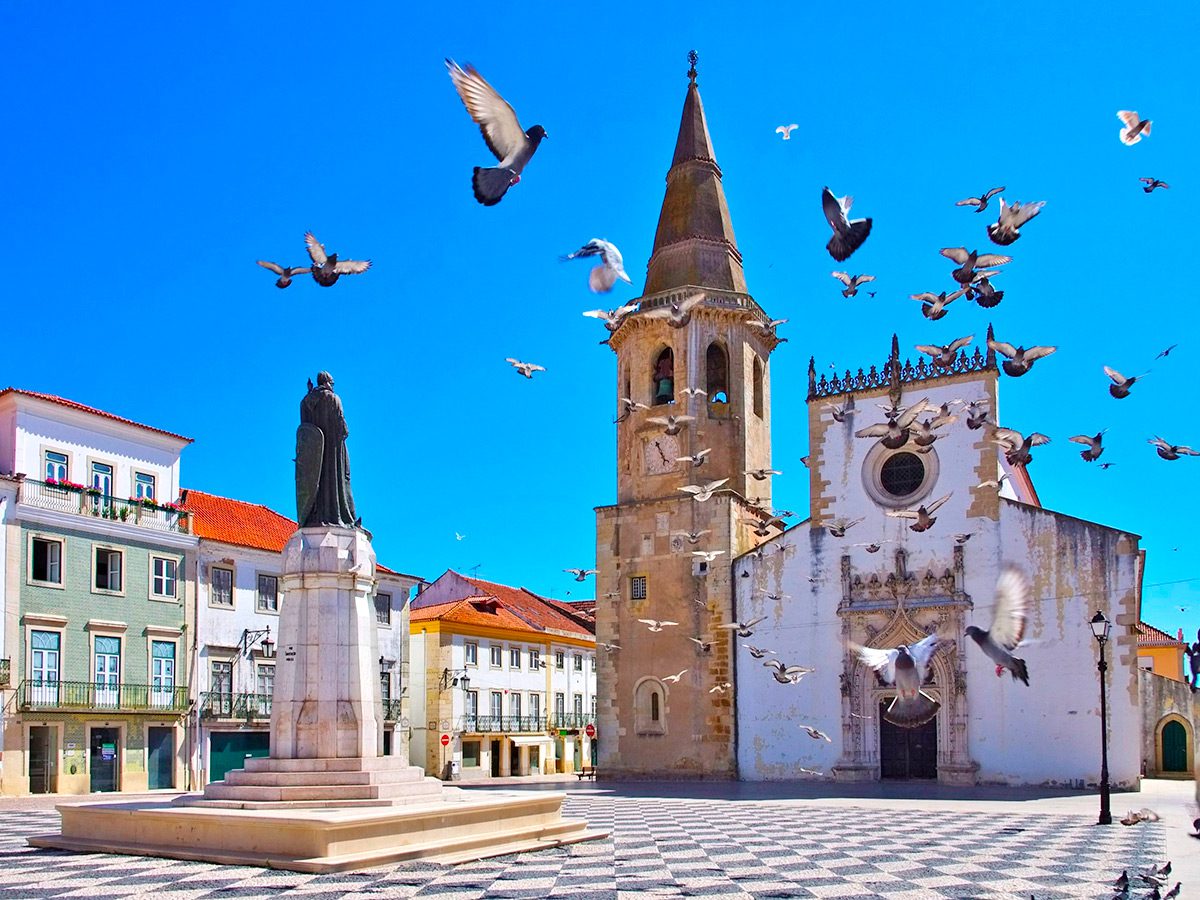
153, 154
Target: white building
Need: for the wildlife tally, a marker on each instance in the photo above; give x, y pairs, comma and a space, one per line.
507, 677
237, 624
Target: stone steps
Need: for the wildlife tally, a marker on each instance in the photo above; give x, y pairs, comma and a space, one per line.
288, 791
407, 775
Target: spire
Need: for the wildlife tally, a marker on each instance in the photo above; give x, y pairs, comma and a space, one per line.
694, 244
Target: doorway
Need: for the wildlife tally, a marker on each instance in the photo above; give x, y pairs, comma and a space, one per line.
907, 753
495, 759
230, 750
102, 761
160, 758
42, 771
1174, 747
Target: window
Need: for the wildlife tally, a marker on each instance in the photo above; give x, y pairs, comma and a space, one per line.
470, 754
108, 670
102, 484
535, 659
265, 685
221, 587
108, 569
578, 662
758, 387
162, 673
472, 652
497, 706
654, 710
663, 378
162, 582
143, 486
716, 382
46, 561
383, 609
560, 705
45, 646
268, 594
593, 706
535, 706
560, 659
901, 474
514, 705
649, 714
497, 661
55, 465
578, 704
220, 685
637, 587
472, 710
385, 685
514, 658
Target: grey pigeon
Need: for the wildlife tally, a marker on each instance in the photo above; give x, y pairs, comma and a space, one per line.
501, 130
851, 282
1014, 593
933, 306
327, 269
1020, 360
977, 414
982, 292
743, 629
1016, 446
1171, 451
1007, 229
679, 313
848, 235
1095, 448
894, 433
905, 667
923, 514
1132, 127
1149, 184
980, 203
285, 273
944, 356
1167, 352
604, 276
1120, 384
966, 272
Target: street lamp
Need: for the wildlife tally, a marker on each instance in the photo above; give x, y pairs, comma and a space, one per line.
1101, 628
458, 678
263, 637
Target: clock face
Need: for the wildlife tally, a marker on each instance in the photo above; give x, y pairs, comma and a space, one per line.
661, 453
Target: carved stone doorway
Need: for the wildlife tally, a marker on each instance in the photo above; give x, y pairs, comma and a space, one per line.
907, 753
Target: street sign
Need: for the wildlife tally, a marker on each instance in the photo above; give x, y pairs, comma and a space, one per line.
590, 731
445, 740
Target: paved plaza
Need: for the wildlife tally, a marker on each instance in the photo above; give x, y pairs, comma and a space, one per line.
907, 843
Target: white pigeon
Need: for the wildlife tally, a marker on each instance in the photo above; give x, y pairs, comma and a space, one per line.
707, 555
702, 492
743, 629
612, 318
674, 679
1007, 229
582, 574
848, 234
670, 424
906, 667
1014, 596
655, 625
1132, 127
524, 368
604, 276
786, 131
851, 282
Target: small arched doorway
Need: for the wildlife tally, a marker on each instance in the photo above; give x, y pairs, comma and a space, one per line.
1174, 747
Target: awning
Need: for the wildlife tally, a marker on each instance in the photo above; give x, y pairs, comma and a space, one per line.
530, 740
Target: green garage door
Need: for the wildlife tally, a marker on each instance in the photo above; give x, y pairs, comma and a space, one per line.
230, 749
1174, 747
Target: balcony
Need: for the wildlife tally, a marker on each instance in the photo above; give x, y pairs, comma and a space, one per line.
391, 710
502, 724
567, 721
5, 673
244, 707
89, 696
81, 501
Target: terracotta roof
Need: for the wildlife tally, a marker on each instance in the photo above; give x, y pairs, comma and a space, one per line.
473, 611
538, 611
1149, 636
237, 522
71, 404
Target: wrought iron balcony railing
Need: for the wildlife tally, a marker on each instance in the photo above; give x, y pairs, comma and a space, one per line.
79, 500
219, 705
5, 673
391, 710
88, 695
571, 720
497, 724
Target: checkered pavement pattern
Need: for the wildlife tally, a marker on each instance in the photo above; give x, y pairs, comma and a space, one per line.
663, 848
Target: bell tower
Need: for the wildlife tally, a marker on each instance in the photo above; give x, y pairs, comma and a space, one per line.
696, 328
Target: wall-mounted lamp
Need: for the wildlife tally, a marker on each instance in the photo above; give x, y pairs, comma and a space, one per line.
457, 678
262, 637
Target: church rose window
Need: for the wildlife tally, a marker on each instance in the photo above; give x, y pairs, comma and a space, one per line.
902, 474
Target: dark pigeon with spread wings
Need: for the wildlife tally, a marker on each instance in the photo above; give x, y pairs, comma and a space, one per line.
327, 269
848, 235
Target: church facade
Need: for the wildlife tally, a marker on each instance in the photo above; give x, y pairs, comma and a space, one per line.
690, 699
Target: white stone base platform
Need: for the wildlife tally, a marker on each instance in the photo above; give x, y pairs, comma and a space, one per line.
457, 828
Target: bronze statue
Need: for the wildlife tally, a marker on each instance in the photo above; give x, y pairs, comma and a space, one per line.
322, 464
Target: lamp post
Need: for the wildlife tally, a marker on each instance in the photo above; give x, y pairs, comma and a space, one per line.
1101, 628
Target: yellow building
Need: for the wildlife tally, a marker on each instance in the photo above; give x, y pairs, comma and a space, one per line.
1160, 653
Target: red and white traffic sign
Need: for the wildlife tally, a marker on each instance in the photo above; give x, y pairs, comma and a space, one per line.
590, 730
445, 740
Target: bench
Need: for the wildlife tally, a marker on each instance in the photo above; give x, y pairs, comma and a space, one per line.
586, 772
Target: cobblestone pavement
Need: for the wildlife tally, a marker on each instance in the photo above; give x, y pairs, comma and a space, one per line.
666, 847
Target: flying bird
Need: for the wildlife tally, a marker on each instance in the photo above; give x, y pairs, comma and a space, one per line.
1014, 593
1166, 352
838, 527
609, 648
944, 356
762, 474
326, 270
1094, 447
923, 514
894, 433
612, 318
816, 735
839, 413
497, 121
966, 272
906, 667
696, 459
1171, 451
720, 688
923, 433
977, 414
757, 652
285, 273
980, 203
963, 537
1120, 384
693, 392
769, 327
524, 368
851, 282
702, 492
1132, 128
786, 674
933, 306
581, 574
786, 131
1016, 446
1151, 183
679, 313
693, 537
602, 278
848, 235
704, 645
982, 292
458, 536
1020, 360
671, 424
707, 555
674, 679
655, 625
743, 629
1007, 228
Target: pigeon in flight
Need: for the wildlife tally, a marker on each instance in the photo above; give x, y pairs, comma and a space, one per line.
1007, 229
894, 433
501, 131
923, 433
982, 292
674, 679
612, 318
933, 306
1120, 384
944, 356
693, 392
786, 131
1132, 128
980, 203
1014, 593
786, 674
923, 514
670, 424
1171, 451
609, 648
817, 735
581, 574
285, 273
1166, 352
906, 667
848, 235
1094, 447
762, 474
604, 276
696, 459
851, 282
679, 313
704, 645
720, 688
757, 652
707, 555
839, 413
326, 270
693, 537
1019, 359
702, 492
524, 368
977, 414
1149, 184
1016, 446
838, 527
769, 327
968, 263
743, 629
655, 625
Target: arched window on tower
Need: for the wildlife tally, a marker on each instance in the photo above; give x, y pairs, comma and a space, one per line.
716, 382
649, 706
663, 378
758, 387
625, 384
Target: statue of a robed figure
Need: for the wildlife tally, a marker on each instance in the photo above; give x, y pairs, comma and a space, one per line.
322, 464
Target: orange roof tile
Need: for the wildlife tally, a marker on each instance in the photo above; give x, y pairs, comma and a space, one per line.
237, 522
1149, 636
473, 611
71, 404
531, 607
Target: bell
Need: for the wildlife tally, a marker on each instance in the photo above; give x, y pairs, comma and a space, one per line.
666, 390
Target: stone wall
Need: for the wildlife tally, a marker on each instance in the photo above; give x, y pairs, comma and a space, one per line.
1162, 700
